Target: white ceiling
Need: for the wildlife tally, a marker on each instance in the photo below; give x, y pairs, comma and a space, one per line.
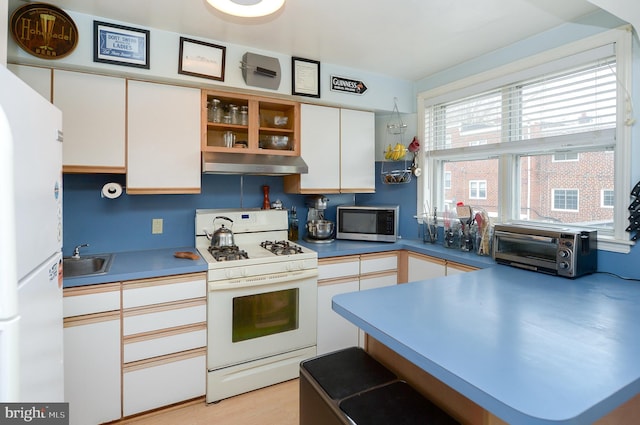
406, 39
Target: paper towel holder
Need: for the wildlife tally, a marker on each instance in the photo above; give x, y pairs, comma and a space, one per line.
112, 190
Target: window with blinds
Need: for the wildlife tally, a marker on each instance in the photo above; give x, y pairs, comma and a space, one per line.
569, 102
538, 143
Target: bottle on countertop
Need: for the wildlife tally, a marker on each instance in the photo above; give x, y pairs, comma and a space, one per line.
293, 225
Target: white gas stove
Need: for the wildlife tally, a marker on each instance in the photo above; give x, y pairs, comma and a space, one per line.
261, 303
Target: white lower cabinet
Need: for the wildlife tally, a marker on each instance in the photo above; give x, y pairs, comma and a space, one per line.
376, 271
421, 267
92, 349
339, 275
164, 334
334, 331
144, 352
92, 369
166, 380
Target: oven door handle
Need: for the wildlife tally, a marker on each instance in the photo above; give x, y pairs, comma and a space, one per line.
263, 280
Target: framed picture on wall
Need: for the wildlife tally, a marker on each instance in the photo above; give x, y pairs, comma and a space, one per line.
305, 77
200, 59
120, 45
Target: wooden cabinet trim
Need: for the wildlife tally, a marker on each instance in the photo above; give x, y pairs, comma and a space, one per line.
160, 360
460, 266
375, 255
383, 273
155, 281
90, 169
253, 128
338, 260
145, 336
91, 289
426, 258
155, 308
338, 280
88, 319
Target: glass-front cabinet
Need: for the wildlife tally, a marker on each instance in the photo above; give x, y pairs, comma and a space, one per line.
249, 124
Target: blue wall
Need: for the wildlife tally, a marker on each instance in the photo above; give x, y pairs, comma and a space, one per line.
124, 224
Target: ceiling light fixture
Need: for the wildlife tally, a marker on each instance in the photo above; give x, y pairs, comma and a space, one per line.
247, 8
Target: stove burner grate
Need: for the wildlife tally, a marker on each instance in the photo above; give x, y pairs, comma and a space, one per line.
281, 247
227, 253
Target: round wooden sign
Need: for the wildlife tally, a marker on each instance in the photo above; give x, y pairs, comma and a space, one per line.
44, 30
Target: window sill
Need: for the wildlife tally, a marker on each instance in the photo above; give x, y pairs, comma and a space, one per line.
614, 245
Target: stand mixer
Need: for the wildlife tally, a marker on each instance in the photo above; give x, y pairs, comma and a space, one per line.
319, 230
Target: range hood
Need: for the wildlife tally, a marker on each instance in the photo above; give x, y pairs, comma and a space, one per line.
237, 163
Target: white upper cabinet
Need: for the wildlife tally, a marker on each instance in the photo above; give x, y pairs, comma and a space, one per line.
320, 148
37, 78
338, 145
357, 151
163, 130
93, 113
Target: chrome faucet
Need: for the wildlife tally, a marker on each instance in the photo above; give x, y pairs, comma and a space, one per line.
76, 250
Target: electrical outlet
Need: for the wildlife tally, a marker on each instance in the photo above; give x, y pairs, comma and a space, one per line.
156, 226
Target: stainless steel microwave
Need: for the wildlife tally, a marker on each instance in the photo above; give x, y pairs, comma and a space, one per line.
367, 223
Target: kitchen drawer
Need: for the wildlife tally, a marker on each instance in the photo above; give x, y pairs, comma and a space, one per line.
372, 263
163, 343
137, 293
332, 268
151, 384
91, 299
164, 316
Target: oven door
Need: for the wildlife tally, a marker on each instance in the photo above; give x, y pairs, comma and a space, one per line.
258, 317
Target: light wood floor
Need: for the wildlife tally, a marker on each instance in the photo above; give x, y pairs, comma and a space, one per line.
274, 405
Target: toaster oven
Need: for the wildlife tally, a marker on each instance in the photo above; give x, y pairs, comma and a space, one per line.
563, 252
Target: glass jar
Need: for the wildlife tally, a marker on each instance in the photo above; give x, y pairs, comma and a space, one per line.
234, 112
244, 115
215, 111
219, 111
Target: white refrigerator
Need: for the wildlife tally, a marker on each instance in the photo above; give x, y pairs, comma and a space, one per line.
31, 324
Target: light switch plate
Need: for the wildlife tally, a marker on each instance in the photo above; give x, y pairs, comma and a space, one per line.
156, 226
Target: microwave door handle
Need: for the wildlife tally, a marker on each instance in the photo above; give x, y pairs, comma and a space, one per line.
529, 238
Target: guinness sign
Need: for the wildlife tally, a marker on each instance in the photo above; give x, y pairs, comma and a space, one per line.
44, 31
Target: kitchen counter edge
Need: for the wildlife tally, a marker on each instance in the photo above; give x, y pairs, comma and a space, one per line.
339, 248
143, 264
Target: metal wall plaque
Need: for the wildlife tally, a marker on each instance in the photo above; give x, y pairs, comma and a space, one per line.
44, 31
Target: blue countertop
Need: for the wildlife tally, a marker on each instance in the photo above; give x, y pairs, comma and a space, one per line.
528, 347
344, 247
141, 265
161, 262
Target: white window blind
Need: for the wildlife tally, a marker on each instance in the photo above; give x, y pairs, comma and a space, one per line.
574, 101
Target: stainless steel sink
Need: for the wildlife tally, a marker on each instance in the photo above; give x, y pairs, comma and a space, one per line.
87, 265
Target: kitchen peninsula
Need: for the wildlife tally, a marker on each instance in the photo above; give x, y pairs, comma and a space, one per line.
526, 347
